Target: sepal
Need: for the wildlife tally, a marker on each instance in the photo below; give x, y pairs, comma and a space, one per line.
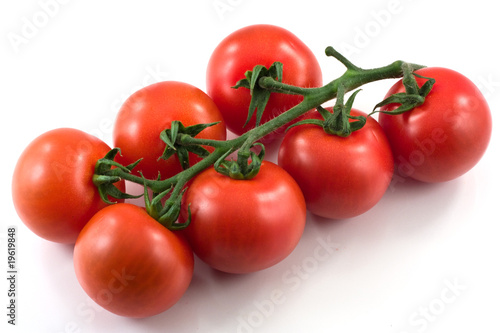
106, 174
260, 96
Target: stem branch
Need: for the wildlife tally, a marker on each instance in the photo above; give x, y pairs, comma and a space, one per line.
352, 78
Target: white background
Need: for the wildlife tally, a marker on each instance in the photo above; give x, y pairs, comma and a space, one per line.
423, 248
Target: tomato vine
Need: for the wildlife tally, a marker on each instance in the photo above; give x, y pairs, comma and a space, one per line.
261, 82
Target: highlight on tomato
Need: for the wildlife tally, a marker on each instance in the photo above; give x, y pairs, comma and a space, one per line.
242, 226
340, 177
130, 264
260, 44
52, 187
151, 110
444, 137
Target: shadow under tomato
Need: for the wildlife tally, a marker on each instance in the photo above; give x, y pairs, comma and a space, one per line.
407, 210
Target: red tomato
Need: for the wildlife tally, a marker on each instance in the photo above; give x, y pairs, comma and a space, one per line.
52, 185
242, 226
340, 177
447, 135
149, 111
130, 264
246, 48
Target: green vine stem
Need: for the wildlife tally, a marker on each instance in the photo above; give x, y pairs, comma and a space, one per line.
352, 78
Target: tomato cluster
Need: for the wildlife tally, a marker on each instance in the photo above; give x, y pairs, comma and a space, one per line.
132, 265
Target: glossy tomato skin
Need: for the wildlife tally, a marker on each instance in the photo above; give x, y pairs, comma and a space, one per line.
52, 187
258, 45
130, 264
340, 177
149, 111
447, 135
242, 226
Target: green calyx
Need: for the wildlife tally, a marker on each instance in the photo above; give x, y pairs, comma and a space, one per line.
107, 172
340, 122
173, 138
260, 96
246, 166
166, 213
412, 97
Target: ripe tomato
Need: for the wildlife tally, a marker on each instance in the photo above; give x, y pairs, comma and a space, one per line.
340, 177
130, 264
149, 111
52, 185
242, 226
447, 135
258, 45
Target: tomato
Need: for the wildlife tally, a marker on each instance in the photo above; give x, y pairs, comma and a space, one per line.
149, 111
52, 186
130, 264
341, 177
444, 137
242, 226
258, 45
